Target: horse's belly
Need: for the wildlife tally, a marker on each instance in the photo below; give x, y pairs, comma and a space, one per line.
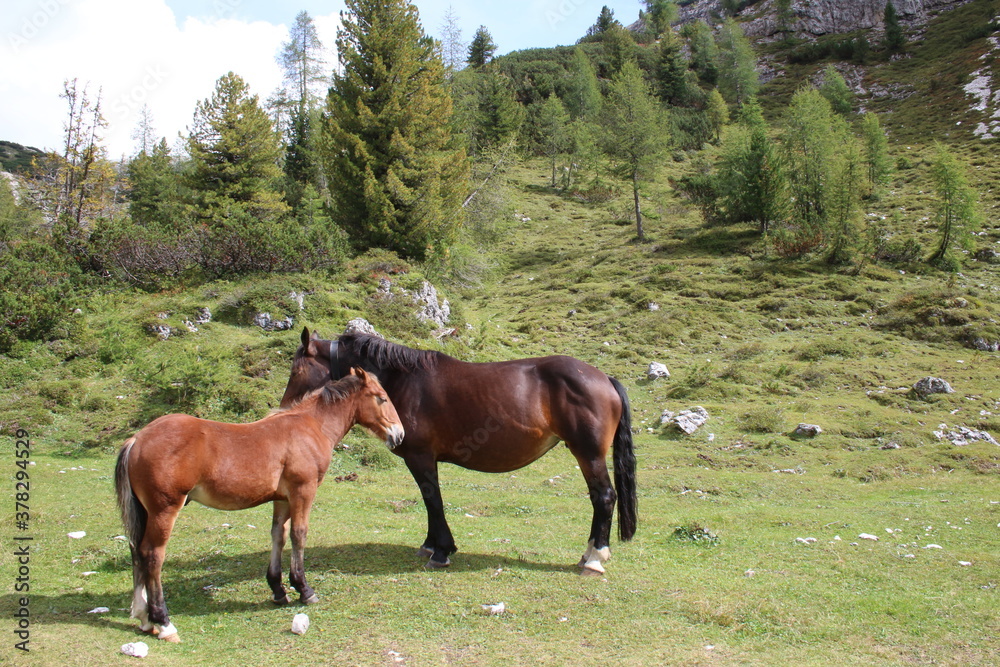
224, 499
498, 452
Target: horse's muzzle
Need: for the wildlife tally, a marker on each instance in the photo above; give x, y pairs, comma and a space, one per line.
394, 436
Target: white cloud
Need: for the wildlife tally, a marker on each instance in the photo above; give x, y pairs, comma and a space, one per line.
136, 53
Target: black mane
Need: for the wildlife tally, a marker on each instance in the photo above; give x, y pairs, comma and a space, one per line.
384, 355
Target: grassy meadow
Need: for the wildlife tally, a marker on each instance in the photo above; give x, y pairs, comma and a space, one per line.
762, 343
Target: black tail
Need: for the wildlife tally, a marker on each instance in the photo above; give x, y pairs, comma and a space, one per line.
624, 463
134, 515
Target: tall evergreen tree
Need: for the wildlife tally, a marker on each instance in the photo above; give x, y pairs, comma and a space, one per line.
660, 14
893, 40
671, 70
605, 20
619, 46
396, 179
234, 179
704, 51
635, 136
154, 189
482, 48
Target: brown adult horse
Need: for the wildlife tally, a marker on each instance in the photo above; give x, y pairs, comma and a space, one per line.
281, 459
492, 417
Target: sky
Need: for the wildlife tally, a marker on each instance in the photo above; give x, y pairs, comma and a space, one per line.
168, 54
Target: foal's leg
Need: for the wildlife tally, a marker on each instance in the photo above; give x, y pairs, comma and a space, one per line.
439, 543
602, 497
300, 525
279, 532
140, 609
152, 551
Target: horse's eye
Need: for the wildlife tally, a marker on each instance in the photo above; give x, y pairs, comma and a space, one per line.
382, 400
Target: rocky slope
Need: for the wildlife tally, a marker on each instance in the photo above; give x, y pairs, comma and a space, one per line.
813, 18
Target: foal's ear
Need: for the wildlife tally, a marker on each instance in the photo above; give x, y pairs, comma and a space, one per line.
359, 372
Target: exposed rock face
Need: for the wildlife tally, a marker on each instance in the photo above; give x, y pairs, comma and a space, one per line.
932, 385
821, 17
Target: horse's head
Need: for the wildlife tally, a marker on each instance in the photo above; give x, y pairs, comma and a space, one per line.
311, 368
375, 411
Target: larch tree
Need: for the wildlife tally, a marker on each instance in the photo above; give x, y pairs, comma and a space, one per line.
552, 128
635, 136
738, 77
453, 49
584, 96
836, 91
957, 207
396, 178
876, 154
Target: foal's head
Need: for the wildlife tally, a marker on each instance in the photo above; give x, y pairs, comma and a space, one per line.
375, 411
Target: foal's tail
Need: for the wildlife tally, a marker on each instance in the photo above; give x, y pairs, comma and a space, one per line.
134, 515
624, 465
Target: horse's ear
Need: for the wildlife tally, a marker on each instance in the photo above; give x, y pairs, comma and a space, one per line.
305, 335
353, 371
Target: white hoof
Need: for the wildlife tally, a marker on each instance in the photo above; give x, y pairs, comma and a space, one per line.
168, 633
592, 568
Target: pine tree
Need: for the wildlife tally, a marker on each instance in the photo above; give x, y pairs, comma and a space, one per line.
395, 177
619, 47
605, 20
717, 111
235, 179
672, 69
154, 189
784, 15
834, 88
635, 135
894, 40
661, 14
482, 48
876, 154
958, 213
704, 51
490, 113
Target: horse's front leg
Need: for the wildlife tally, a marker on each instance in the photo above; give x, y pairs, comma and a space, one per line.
279, 532
439, 543
300, 507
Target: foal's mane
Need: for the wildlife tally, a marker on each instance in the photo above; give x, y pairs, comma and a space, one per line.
385, 355
332, 392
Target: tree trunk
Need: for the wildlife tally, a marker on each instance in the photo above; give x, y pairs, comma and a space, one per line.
553, 171
638, 211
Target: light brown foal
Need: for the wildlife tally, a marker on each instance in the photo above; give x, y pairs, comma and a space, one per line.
280, 459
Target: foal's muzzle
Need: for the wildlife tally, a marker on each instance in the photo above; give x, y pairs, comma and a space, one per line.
394, 436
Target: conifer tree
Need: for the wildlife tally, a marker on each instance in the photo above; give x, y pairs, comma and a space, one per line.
552, 127
834, 88
482, 48
958, 213
396, 179
893, 40
704, 51
453, 50
619, 47
605, 20
154, 189
635, 135
876, 154
717, 111
738, 78
672, 69
660, 14
584, 96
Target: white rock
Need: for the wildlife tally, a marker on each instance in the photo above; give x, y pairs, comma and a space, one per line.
494, 609
99, 610
933, 546
300, 623
657, 370
136, 649
964, 563
77, 534
805, 540
866, 536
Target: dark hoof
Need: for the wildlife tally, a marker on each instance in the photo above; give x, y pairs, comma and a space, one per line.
312, 599
281, 602
424, 552
437, 565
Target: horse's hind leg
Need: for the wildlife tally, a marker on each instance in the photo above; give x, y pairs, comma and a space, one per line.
152, 551
602, 497
279, 532
140, 609
300, 526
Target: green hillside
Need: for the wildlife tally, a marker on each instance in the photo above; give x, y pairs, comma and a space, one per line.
762, 342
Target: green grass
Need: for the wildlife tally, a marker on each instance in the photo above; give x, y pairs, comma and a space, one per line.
762, 344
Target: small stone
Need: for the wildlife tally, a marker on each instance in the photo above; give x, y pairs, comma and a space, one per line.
136, 649
965, 563
300, 623
77, 534
99, 610
866, 536
805, 540
657, 370
807, 431
494, 609
933, 546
